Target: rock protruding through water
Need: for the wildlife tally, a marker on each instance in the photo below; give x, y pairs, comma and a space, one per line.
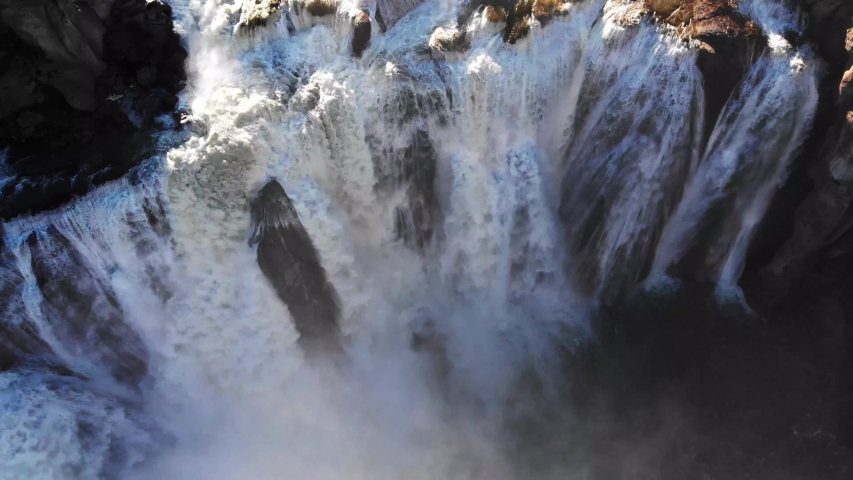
289, 260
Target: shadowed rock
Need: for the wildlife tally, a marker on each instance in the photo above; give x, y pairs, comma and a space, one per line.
19, 337
517, 15
389, 12
415, 220
70, 71
258, 13
444, 41
83, 311
360, 33
729, 43
290, 262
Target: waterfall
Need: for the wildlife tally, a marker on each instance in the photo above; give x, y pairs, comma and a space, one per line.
453, 219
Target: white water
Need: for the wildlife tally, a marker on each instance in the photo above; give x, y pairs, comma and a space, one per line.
614, 112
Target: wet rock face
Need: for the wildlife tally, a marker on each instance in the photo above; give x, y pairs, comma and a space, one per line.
21, 338
81, 310
447, 40
829, 21
729, 44
815, 258
287, 257
81, 83
516, 15
415, 221
258, 13
389, 12
361, 28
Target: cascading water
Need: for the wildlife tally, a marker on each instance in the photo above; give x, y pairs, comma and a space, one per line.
465, 212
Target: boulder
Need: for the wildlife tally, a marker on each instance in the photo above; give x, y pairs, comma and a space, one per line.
494, 14
446, 40
321, 8
543, 10
257, 13
288, 259
845, 90
517, 15
361, 28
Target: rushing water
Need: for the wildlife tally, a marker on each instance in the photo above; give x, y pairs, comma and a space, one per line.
482, 204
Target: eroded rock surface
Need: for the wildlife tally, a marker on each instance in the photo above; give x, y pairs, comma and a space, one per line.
82, 84
729, 43
290, 262
389, 12
258, 13
82, 311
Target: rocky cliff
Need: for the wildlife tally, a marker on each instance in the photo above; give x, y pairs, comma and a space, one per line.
83, 84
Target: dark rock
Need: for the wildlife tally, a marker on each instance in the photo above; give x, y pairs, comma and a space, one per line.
321, 8
444, 40
389, 12
83, 311
517, 15
415, 221
70, 38
65, 61
360, 33
287, 257
822, 217
146, 76
257, 13
829, 21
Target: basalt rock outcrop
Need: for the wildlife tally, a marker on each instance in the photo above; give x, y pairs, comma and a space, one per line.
73, 306
83, 311
517, 17
416, 220
812, 268
83, 84
287, 257
258, 13
445, 41
729, 43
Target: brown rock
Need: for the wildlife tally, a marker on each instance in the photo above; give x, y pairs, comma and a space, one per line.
494, 14
664, 8
445, 40
848, 44
845, 90
728, 43
321, 8
517, 30
257, 13
544, 9
60, 63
